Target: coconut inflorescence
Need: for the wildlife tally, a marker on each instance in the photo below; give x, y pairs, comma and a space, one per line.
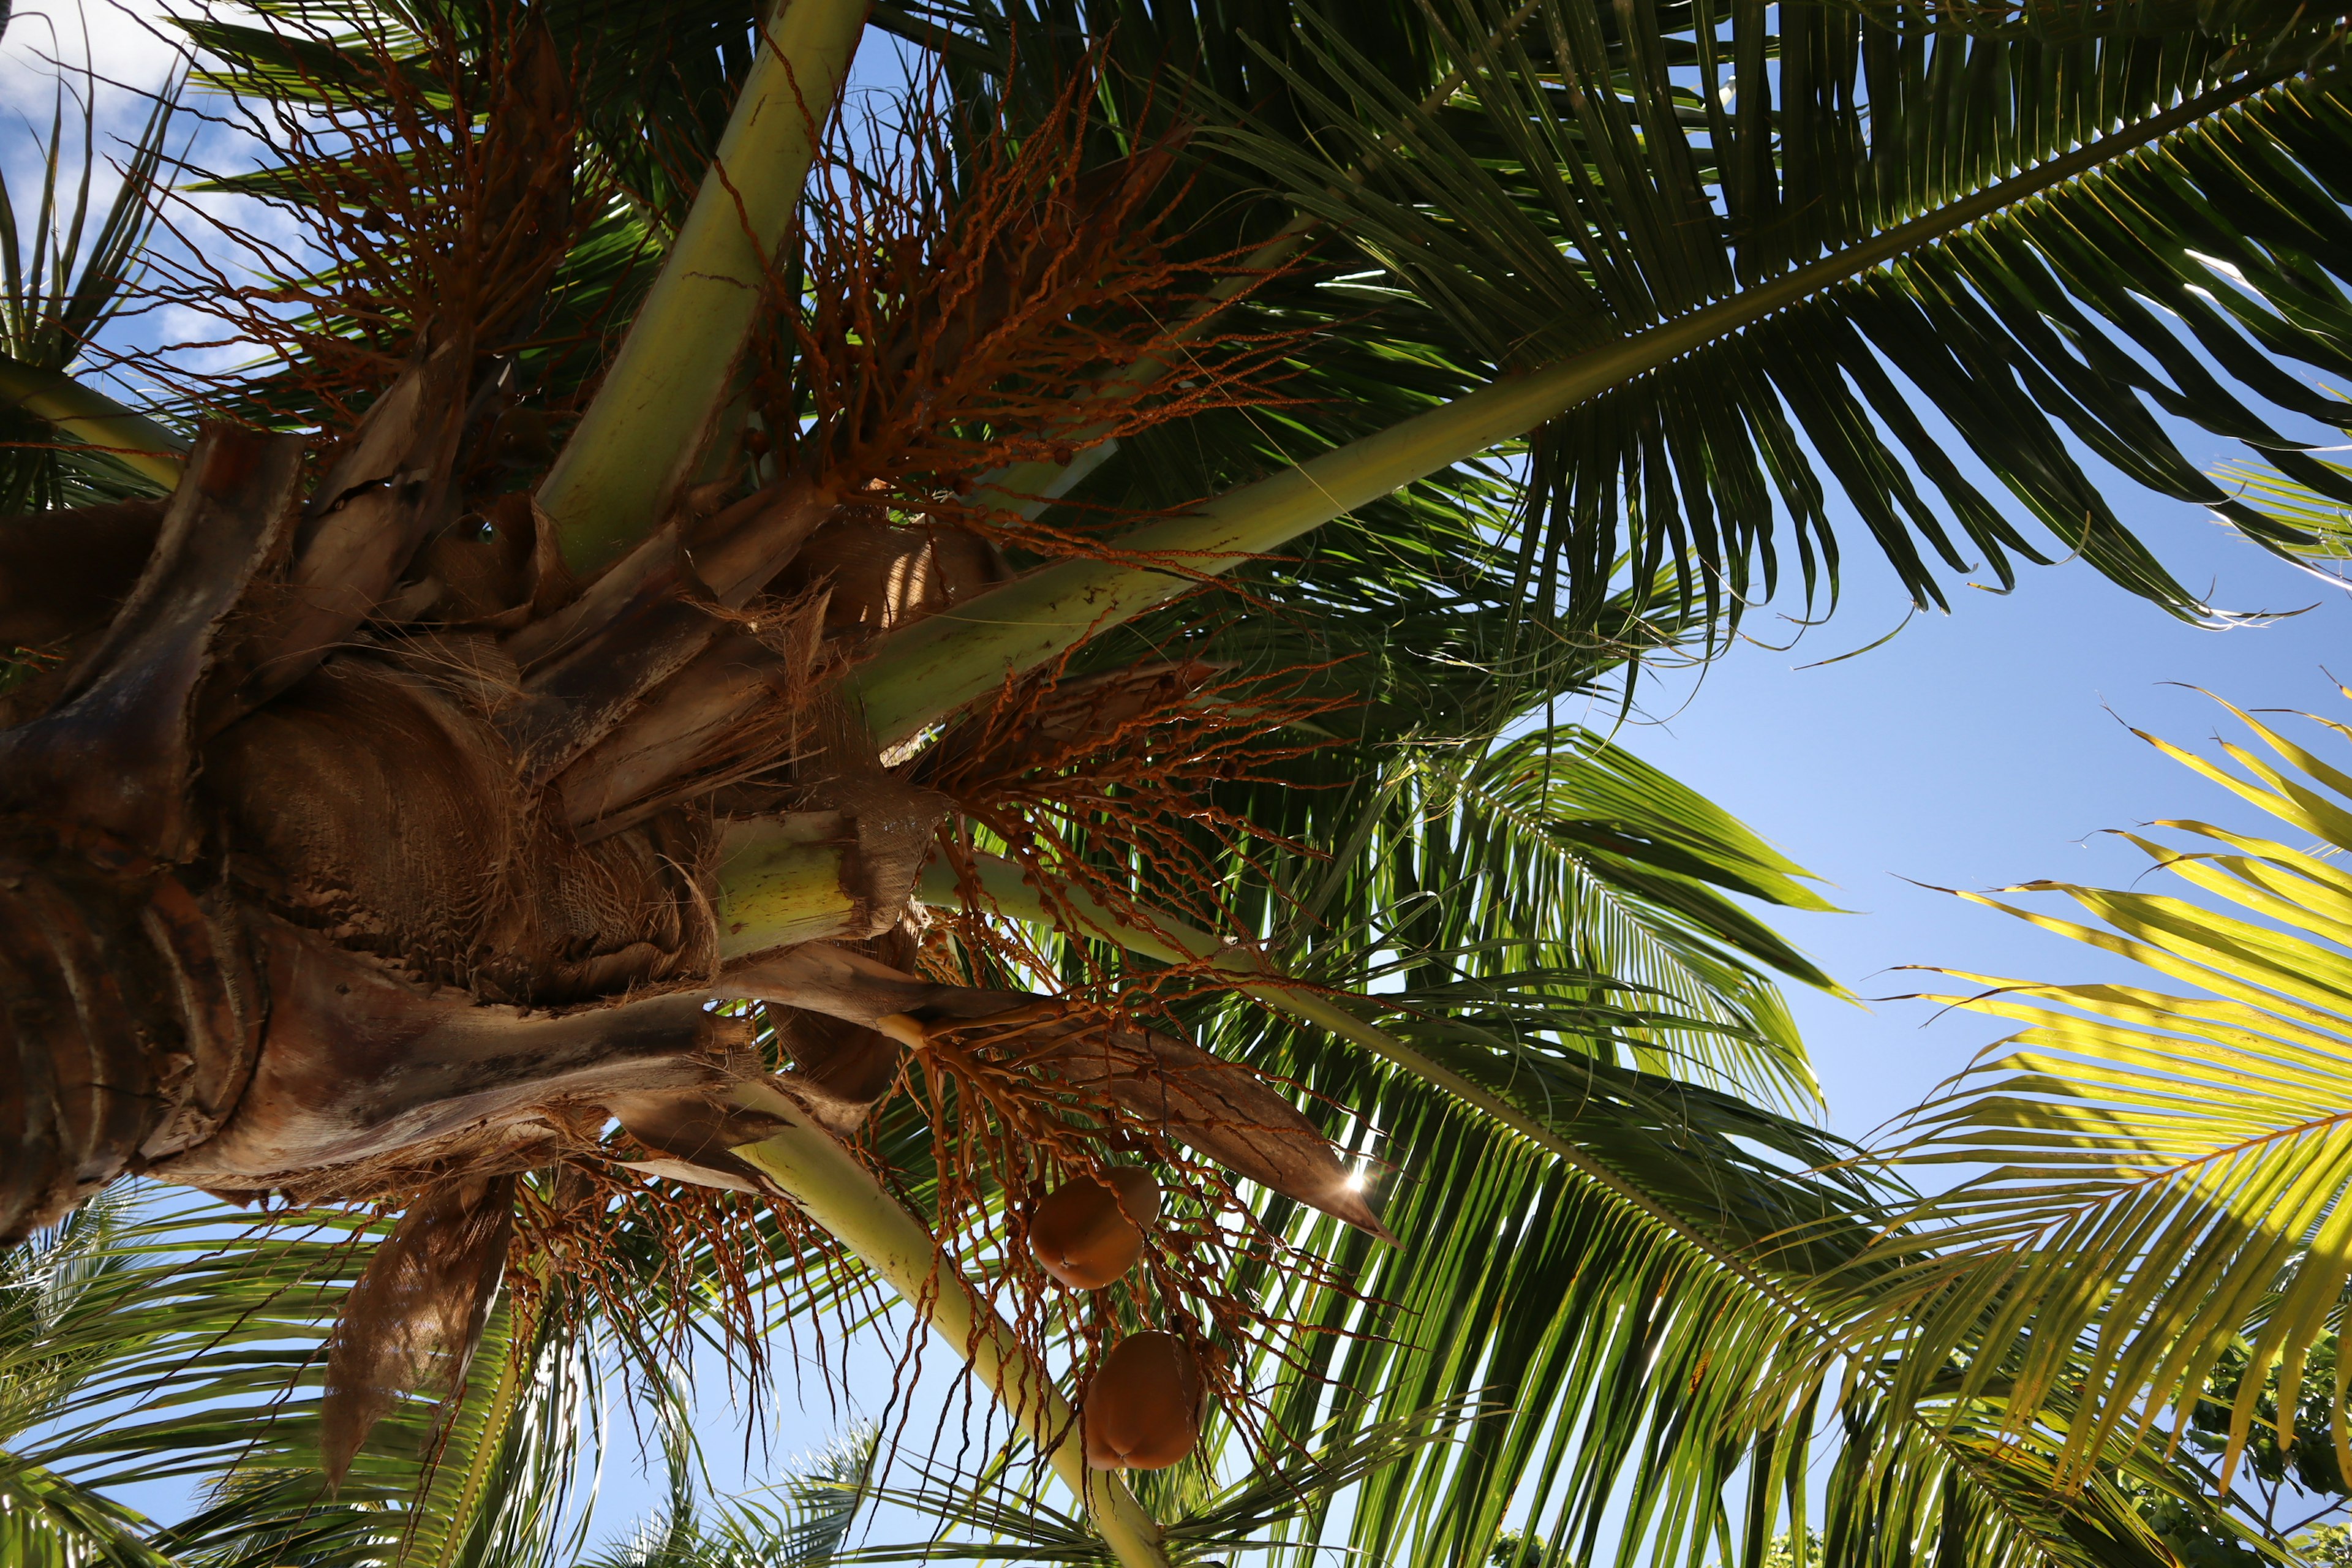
1088, 1231
1142, 1409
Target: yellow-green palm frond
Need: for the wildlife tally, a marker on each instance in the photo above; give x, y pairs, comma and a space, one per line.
2152, 1176
2307, 495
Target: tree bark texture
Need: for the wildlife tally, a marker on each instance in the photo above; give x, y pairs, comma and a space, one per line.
350, 850
320, 878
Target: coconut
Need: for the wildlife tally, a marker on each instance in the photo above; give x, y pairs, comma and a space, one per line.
1088, 1231
1142, 1410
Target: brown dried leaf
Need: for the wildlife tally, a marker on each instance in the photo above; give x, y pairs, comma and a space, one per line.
117, 754
364, 525
841, 1071
1219, 1107
412, 1321
823, 978
693, 1133
63, 572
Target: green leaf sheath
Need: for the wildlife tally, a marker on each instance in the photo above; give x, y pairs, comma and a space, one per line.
650, 413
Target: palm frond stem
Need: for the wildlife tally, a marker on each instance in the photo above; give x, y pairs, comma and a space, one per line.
644, 423
93, 418
505, 1395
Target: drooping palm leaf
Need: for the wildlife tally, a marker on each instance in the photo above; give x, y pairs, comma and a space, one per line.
51, 1519
171, 1343
1624, 1287
2153, 1179
1580, 191
1995, 260
2324, 520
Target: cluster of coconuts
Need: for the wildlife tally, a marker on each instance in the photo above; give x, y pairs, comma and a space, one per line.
1141, 1411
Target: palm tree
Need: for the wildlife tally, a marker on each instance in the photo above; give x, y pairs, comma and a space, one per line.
421, 794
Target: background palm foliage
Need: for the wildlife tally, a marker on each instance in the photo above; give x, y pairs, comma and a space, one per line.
168, 1346
66, 262
1594, 1321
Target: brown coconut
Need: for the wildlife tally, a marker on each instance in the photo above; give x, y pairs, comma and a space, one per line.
1142, 1411
1086, 1233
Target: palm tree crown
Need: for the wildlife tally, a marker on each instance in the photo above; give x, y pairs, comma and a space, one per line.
753, 695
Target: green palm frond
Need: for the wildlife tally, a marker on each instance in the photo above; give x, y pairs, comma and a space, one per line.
1724, 301
50, 1520
174, 1343
998, 1512
64, 270
2324, 520
1653, 1314
2153, 1180
1579, 189
1503, 893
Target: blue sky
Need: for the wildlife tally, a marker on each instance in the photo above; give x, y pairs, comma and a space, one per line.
1980, 749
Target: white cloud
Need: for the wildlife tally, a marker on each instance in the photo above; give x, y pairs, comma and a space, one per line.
127, 43
112, 56
103, 58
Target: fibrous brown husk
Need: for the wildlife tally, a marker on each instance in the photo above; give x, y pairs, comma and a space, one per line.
739, 712
412, 1322
117, 754
132, 1013
497, 569
841, 1071
881, 577
377, 804
650, 616
62, 578
388, 489
366, 1078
